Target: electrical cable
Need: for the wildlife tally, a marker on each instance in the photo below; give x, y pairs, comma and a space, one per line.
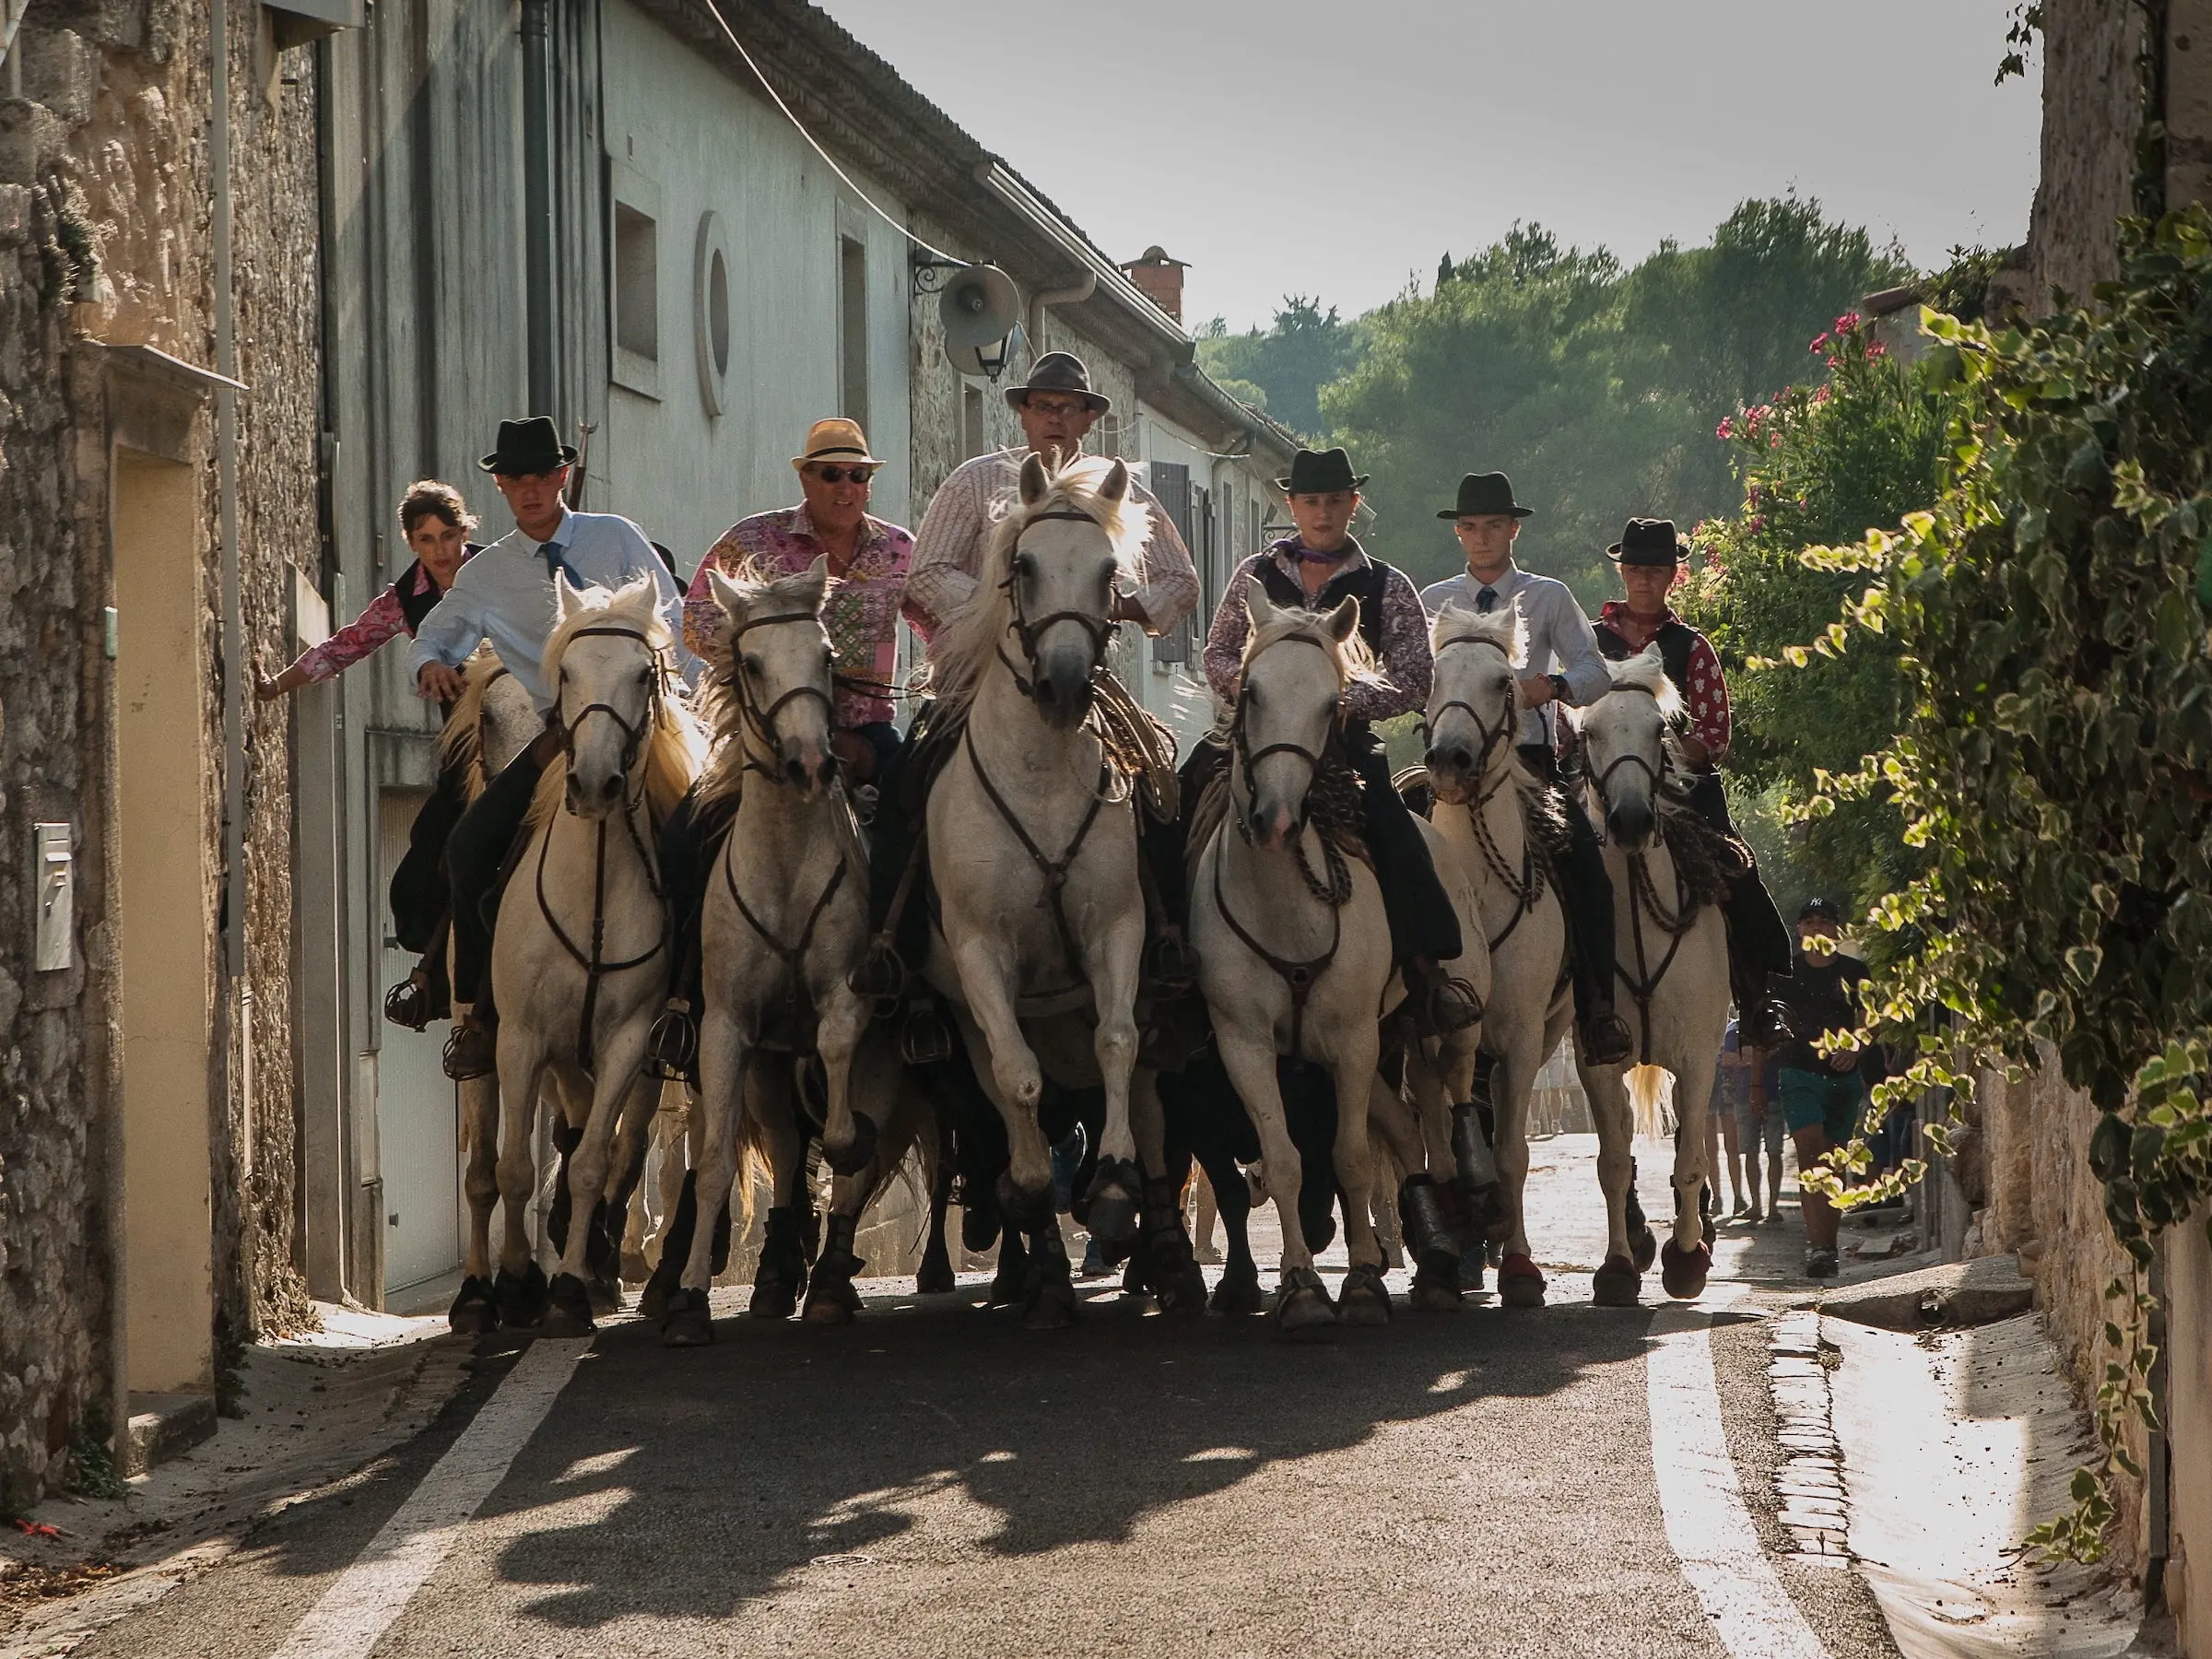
797, 126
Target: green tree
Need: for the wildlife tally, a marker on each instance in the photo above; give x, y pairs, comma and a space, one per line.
1302, 351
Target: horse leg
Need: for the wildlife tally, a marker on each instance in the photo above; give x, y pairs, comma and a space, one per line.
1007, 1068
1239, 1291
1519, 1281
621, 1063
626, 1173
1009, 1284
1117, 1189
673, 1243
1686, 1260
1301, 1306
476, 1308
1423, 1213
848, 1136
685, 1321
771, 1099
1049, 1302
1364, 1299
1169, 1264
1618, 1280
934, 1277
521, 1285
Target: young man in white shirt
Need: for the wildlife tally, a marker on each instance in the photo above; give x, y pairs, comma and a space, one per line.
505, 594
1564, 668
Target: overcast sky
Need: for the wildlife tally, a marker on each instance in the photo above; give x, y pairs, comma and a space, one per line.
1330, 148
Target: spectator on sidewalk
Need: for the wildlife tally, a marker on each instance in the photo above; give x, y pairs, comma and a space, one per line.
1731, 1094
1759, 1129
1821, 1094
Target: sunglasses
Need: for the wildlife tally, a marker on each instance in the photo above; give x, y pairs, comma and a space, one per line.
838, 475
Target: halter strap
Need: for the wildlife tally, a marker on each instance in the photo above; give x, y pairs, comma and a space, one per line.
1027, 633
762, 722
1054, 871
1298, 977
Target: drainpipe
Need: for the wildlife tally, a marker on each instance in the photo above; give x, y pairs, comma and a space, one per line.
226, 468
537, 205
1045, 298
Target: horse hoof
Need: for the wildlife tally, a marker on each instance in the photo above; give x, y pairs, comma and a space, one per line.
606, 1294
773, 1298
1184, 1290
979, 1224
936, 1277
476, 1311
1430, 1296
1052, 1307
653, 1301
687, 1322
1021, 1208
1238, 1293
860, 1154
1683, 1271
1520, 1283
1364, 1299
826, 1306
1709, 1233
636, 1270
1114, 1195
1617, 1284
568, 1309
1643, 1249
522, 1297
1303, 1310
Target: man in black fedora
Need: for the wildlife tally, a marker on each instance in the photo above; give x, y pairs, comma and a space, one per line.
1652, 557
505, 594
1316, 569
1563, 669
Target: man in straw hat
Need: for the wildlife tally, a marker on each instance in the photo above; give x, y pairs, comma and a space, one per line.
868, 560
505, 594
1652, 557
1564, 669
1317, 570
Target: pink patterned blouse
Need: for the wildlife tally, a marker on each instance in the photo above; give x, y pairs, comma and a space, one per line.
384, 621
863, 613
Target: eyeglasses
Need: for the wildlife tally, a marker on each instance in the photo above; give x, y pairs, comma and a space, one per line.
838, 475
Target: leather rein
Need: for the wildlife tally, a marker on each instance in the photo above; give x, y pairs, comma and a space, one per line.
594, 964
1526, 885
1643, 892
1298, 977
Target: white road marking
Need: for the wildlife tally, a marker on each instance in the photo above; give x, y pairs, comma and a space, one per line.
354, 1614
1706, 1521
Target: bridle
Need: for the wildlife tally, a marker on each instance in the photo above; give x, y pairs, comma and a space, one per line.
1658, 774
1491, 739
1644, 893
594, 964
1100, 629
760, 723
1247, 758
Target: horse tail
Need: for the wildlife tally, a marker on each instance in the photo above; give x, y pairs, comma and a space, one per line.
1652, 1100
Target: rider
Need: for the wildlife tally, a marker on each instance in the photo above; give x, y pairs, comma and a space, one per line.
435, 522
505, 594
1315, 571
1652, 558
868, 560
1563, 667
1057, 408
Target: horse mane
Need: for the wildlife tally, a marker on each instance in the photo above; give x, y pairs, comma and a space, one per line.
677, 746
972, 635
461, 744
1646, 671
718, 697
1355, 664
1507, 629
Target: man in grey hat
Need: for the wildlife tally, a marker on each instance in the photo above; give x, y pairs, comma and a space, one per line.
1564, 669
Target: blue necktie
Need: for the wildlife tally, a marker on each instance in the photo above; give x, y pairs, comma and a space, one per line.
556, 567
1485, 601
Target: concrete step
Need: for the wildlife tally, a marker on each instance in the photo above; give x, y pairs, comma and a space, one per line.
162, 1426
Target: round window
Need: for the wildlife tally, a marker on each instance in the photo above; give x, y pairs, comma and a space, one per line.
710, 313
718, 312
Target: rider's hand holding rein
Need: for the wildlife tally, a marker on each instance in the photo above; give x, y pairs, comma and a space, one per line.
440, 682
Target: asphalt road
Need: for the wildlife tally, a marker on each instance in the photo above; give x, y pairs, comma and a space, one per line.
935, 1480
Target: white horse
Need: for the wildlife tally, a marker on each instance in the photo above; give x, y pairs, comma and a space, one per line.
785, 922
580, 959
1673, 961
1294, 951
1482, 796
1032, 851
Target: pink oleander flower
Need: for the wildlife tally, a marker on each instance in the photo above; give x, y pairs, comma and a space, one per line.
1847, 321
1820, 395
1726, 430
1877, 349
1757, 524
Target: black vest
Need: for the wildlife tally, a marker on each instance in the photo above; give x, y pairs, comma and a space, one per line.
1364, 584
1675, 638
419, 596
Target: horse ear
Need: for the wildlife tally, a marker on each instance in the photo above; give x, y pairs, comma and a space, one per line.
567, 598
1117, 482
726, 592
1034, 480
816, 575
1344, 619
1256, 602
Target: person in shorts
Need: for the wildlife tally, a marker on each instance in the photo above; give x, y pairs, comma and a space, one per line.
1821, 1096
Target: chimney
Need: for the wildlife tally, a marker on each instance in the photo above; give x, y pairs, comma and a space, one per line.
1159, 279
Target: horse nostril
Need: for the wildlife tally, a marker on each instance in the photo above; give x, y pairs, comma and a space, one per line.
795, 768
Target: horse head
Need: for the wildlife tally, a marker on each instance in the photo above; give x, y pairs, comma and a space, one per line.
607, 659
1287, 705
1473, 697
1065, 544
780, 672
1627, 736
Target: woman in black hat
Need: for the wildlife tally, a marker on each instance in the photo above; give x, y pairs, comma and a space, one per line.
1652, 556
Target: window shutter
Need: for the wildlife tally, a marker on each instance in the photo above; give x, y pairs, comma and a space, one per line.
1171, 484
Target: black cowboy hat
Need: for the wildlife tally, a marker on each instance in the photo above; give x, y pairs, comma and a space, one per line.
529, 446
1060, 371
1650, 542
1320, 472
1825, 909
1483, 494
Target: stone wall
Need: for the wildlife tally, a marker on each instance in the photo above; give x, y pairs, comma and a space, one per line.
105, 239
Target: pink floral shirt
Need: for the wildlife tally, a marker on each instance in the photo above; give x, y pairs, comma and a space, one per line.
1711, 722
862, 612
384, 621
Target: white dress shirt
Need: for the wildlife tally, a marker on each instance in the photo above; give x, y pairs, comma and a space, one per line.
1561, 639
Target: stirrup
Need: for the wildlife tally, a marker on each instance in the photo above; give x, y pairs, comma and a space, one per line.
1606, 1038
881, 979
1175, 965
1452, 1007
923, 1039
672, 1047
408, 1003
471, 1052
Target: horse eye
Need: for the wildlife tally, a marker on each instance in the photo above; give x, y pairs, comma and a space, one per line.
644, 676
1025, 564
750, 663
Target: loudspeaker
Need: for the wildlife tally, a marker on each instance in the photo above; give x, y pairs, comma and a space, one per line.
979, 308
